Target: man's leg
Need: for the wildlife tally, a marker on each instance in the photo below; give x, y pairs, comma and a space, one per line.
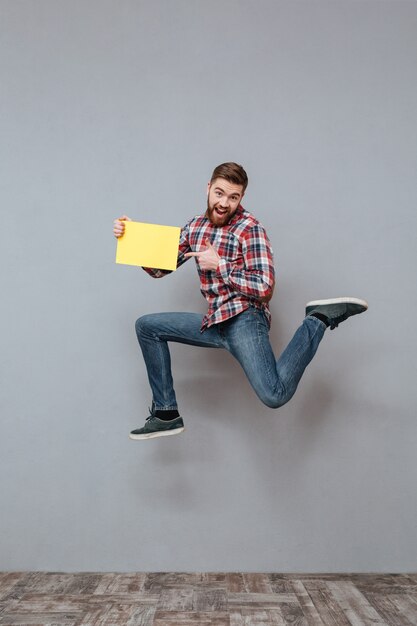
246, 336
274, 381
153, 332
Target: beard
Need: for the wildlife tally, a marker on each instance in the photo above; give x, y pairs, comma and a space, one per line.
217, 215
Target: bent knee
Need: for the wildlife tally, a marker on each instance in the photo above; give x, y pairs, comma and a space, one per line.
274, 401
144, 324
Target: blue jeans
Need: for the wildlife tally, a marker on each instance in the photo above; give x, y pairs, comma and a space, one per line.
245, 336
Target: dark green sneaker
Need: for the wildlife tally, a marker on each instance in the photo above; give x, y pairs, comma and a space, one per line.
336, 309
154, 427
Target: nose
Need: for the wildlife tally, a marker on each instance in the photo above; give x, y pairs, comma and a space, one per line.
224, 203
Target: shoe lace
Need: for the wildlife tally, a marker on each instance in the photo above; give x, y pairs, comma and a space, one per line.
335, 321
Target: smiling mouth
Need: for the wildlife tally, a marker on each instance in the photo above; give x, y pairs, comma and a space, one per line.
217, 215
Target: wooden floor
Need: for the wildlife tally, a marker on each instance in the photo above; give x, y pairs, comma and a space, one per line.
167, 599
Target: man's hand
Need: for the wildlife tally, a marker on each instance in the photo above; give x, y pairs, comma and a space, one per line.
208, 258
119, 226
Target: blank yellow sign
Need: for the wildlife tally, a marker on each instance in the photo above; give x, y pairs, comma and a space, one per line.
149, 245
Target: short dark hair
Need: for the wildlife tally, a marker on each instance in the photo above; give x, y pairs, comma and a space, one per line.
233, 172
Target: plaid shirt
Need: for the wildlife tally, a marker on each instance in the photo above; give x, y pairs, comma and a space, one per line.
245, 275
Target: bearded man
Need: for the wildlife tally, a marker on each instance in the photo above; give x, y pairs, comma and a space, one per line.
235, 263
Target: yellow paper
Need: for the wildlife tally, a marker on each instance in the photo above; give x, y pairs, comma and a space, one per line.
149, 245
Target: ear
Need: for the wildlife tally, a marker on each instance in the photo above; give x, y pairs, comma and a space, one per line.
208, 187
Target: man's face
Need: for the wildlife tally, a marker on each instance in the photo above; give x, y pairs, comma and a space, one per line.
223, 199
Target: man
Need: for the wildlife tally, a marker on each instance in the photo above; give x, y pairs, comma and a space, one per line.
235, 263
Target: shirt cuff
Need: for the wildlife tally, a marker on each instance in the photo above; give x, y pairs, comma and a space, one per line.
224, 268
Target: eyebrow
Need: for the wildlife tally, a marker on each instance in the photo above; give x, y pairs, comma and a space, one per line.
235, 193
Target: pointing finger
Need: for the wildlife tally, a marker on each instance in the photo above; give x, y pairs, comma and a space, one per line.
209, 245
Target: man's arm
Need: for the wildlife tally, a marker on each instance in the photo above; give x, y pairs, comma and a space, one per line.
183, 248
257, 278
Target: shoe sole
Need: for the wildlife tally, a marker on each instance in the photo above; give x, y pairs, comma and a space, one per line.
161, 433
339, 301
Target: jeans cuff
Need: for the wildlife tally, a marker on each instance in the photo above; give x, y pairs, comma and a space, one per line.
164, 408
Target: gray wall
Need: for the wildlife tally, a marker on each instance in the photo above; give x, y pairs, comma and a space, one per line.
126, 106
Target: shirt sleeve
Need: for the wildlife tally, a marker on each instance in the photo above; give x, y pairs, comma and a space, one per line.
183, 247
257, 278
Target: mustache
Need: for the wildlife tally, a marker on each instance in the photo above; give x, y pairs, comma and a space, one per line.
211, 208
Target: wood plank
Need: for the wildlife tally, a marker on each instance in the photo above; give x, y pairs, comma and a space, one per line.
406, 606
84, 583
215, 579
176, 599
46, 619
235, 582
26, 581
319, 576
385, 583
210, 600
412, 577
54, 582
8, 580
260, 600
293, 614
354, 604
39, 603
310, 612
127, 615
388, 609
157, 581
120, 583
141, 616
191, 618
280, 583
329, 610
248, 617
257, 583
